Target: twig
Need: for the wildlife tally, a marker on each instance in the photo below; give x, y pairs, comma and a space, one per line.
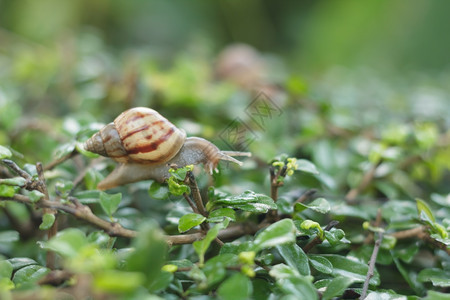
317, 240
196, 193
377, 223
366, 180
306, 195
17, 169
60, 160
191, 204
51, 258
83, 212
371, 270
420, 232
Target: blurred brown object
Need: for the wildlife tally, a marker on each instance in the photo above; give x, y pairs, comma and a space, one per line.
245, 67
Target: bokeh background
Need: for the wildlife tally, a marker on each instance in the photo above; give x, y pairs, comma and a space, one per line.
331, 67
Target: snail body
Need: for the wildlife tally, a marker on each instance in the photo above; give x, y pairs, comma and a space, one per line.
146, 144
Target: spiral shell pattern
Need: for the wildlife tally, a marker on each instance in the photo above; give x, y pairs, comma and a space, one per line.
140, 135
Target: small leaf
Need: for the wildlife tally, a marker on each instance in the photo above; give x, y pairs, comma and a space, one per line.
29, 274
319, 205
47, 221
9, 236
306, 166
80, 148
309, 225
276, 234
5, 152
8, 191
218, 215
248, 201
110, 202
422, 206
201, 246
189, 221
294, 256
180, 173
17, 181
343, 266
67, 243
158, 191
438, 277
20, 262
321, 264
237, 287
336, 287
177, 189
35, 196
6, 269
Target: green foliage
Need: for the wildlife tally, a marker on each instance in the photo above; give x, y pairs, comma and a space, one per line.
366, 154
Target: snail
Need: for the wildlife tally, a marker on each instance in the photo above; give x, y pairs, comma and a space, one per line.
146, 144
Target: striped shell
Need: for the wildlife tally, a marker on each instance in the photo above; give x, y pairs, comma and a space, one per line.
140, 135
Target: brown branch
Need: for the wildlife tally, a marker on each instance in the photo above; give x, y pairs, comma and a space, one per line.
306, 195
196, 193
371, 270
51, 258
422, 233
366, 180
82, 212
317, 240
60, 160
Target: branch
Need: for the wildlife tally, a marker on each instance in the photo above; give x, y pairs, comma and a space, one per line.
82, 212
371, 270
420, 232
366, 180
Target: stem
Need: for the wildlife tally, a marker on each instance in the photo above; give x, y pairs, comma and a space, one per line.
371, 270
51, 258
366, 180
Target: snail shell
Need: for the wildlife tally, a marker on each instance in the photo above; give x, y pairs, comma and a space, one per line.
146, 144
138, 135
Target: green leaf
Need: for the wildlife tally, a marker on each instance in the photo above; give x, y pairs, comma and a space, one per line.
115, 281
433, 295
20, 262
158, 191
177, 189
201, 246
306, 166
237, 287
150, 250
406, 252
180, 173
161, 282
88, 197
294, 256
321, 264
410, 278
336, 236
438, 277
80, 148
17, 181
300, 287
8, 236
354, 270
336, 287
319, 205
189, 221
92, 178
422, 206
67, 243
5, 152
35, 196
219, 215
8, 191
311, 226
110, 202
29, 275
6, 269
215, 268
248, 201
47, 221
276, 234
